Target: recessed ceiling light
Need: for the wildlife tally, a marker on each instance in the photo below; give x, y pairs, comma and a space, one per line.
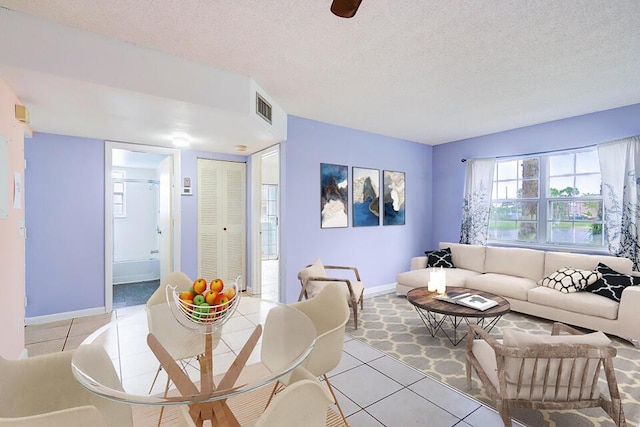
241, 147
180, 141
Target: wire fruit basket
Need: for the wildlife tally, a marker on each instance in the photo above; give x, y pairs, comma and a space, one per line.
203, 317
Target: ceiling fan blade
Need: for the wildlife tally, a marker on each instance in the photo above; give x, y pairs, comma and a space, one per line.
345, 8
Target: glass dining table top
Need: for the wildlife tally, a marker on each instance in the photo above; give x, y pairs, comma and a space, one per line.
259, 343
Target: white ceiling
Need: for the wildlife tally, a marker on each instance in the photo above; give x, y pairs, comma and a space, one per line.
430, 71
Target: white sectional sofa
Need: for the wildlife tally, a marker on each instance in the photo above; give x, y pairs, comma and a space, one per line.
513, 273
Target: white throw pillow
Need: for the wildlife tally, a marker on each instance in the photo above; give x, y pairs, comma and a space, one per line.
568, 279
314, 270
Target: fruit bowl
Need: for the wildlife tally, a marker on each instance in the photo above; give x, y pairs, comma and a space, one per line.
202, 317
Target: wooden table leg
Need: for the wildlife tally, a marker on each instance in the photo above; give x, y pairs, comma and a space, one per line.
217, 411
206, 365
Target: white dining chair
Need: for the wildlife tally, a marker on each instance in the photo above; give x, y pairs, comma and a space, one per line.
42, 391
183, 346
329, 312
80, 416
284, 340
303, 403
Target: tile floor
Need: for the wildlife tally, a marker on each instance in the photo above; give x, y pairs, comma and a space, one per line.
128, 294
270, 280
373, 388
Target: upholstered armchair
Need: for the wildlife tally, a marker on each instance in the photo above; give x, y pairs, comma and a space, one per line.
545, 372
42, 391
313, 278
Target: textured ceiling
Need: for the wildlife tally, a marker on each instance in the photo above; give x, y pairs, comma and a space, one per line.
426, 71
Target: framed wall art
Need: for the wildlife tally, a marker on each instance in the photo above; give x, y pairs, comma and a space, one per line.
334, 196
366, 197
393, 187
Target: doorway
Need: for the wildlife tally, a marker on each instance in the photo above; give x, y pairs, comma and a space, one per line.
140, 231
266, 254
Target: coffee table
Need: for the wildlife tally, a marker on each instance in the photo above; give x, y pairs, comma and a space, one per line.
434, 312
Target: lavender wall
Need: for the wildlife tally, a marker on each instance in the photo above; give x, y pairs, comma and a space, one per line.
64, 201
64, 207
379, 252
574, 132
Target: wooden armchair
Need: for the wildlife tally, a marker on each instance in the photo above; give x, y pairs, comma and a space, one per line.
544, 372
314, 277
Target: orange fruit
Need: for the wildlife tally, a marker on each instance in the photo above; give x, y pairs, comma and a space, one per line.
200, 285
186, 295
210, 297
216, 285
221, 302
230, 293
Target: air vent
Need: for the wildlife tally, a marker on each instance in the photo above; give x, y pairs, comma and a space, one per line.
263, 108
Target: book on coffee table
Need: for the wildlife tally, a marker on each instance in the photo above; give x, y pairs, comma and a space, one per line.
468, 300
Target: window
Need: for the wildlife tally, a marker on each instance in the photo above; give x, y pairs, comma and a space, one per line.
269, 221
119, 205
552, 199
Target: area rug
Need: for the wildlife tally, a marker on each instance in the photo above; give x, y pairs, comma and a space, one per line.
391, 324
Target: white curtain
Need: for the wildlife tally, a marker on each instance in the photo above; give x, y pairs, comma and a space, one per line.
477, 201
619, 164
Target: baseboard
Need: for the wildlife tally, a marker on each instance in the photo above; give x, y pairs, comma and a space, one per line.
379, 290
37, 320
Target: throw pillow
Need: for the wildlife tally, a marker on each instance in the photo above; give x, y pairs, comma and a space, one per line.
515, 338
316, 269
612, 283
568, 279
440, 258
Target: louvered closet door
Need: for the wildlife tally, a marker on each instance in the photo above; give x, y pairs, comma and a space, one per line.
235, 211
221, 219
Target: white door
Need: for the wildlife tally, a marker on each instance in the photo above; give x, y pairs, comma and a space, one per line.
173, 250
221, 219
255, 284
164, 218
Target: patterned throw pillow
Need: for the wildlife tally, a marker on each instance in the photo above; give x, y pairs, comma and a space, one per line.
441, 258
568, 279
612, 283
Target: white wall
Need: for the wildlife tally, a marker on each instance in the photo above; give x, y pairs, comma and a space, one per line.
271, 168
12, 243
135, 236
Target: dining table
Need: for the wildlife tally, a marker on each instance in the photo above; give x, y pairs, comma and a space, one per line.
162, 358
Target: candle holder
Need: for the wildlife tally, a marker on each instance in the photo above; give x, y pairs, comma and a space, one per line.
438, 280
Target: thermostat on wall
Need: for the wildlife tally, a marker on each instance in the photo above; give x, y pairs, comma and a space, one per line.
186, 187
